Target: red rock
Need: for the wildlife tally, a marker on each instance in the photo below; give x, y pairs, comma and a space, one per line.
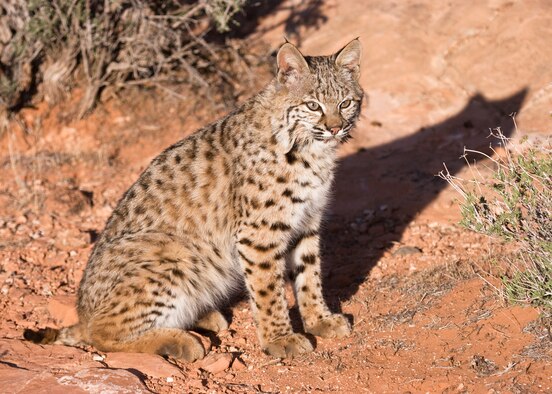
238, 365
28, 355
216, 362
206, 342
196, 383
21, 219
101, 380
18, 380
149, 364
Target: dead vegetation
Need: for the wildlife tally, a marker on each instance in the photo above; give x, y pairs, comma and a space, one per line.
421, 289
48, 47
539, 349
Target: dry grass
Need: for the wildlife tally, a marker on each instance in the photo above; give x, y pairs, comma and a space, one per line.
422, 289
541, 328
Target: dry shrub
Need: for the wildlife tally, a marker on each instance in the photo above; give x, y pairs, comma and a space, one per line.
515, 204
99, 43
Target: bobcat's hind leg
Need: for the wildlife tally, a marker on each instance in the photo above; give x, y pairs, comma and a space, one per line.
163, 341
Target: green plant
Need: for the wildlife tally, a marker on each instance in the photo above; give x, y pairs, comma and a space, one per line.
514, 204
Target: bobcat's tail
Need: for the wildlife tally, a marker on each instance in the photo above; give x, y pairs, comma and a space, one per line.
71, 336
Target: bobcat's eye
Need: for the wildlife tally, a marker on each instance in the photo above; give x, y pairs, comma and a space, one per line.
313, 105
345, 104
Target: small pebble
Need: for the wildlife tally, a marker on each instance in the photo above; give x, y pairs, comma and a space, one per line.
21, 219
407, 250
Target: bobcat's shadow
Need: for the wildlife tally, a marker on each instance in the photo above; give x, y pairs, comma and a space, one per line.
400, 178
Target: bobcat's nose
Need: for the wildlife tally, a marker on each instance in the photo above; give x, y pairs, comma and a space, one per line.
335, 130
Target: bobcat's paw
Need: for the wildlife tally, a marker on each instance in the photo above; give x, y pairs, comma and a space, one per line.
289, 346
333, 326
214, 321
186, 347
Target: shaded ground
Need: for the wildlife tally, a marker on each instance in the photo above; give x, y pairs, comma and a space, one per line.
437, 76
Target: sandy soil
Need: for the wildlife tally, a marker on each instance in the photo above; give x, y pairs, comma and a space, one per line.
418, 288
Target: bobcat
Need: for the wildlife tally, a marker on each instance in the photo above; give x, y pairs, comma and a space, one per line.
227, 206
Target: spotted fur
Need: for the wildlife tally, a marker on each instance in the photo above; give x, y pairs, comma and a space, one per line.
223, 208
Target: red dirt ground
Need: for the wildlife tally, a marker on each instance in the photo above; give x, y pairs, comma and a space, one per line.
418, 288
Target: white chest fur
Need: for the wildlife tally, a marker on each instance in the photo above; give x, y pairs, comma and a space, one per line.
312, 184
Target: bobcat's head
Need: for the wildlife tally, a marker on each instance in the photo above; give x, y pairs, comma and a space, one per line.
321, 94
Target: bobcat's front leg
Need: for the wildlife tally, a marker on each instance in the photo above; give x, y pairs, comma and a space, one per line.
317, 318
261, 254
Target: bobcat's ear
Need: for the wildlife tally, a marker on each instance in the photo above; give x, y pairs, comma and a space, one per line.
349, 57
291, 65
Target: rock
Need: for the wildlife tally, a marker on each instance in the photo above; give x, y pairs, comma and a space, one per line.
376, 273
206, 342
14, 379
377, 230
195, 383
238, 365
407, 250
148, 364
216, 362
28, 355
101, 380
21, 219
29, 368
